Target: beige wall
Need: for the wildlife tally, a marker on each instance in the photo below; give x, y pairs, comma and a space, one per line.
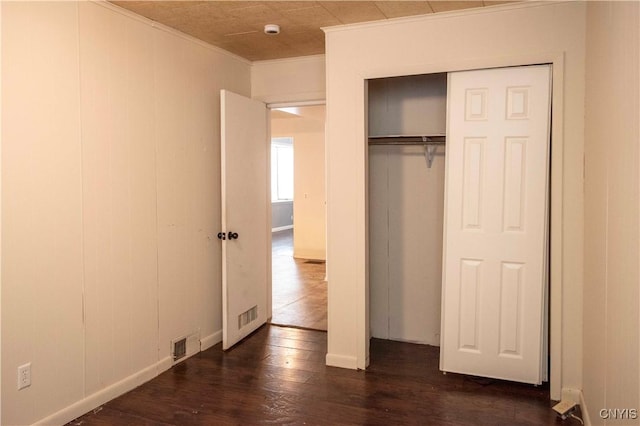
612, 210
66, 137
520, 34
309, 218
42, 269
294, 81
1, 210
110, 189
289, 80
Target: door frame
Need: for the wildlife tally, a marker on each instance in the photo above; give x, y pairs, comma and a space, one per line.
556, 60
270, 106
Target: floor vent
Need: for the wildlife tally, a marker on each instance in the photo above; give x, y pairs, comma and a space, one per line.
246, 317
179, 349
315, 262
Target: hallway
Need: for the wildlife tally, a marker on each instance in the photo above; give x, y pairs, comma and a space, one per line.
299, 290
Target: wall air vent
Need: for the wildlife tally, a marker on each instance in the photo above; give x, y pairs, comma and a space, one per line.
179, 349
185, 346
247, 317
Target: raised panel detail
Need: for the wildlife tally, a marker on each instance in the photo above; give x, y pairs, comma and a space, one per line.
515, 157
469, 321
472, 183
511, 305
476, 104
494, 313
517, 103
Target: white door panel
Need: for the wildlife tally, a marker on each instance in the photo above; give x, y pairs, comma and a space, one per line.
495, 223
246, 276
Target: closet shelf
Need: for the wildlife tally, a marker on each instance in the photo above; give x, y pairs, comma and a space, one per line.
439, 139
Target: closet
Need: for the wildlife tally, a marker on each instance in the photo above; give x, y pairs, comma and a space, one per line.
467, 259
406, 201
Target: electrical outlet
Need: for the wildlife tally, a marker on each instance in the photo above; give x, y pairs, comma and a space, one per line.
24, 376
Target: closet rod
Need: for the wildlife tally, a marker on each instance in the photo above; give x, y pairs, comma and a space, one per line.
408, 140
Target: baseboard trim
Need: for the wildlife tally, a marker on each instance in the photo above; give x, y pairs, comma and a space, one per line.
585, 411
165, 364
577, 397
310, 254
96, 399
342, 361
281, 228
131, 382
210, 340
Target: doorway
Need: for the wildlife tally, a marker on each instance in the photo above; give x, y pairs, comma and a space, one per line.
299, 288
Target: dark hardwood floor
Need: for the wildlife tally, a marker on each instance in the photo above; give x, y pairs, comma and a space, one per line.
278, 376
299, 289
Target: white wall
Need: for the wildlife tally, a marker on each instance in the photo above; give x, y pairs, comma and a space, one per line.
289, 80
281, 214
612, 209
506, 35
309, 223
110, 189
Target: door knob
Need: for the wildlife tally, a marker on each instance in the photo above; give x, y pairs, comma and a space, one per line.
222, 236
233, 235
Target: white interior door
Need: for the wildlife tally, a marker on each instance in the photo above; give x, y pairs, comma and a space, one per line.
246, 237
496, 235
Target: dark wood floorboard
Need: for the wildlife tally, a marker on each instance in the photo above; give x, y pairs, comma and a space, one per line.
299, 291
278, 376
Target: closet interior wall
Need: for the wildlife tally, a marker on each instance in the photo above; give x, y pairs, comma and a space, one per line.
406, 209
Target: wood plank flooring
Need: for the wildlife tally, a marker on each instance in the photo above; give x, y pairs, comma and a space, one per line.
278, 376
299, 290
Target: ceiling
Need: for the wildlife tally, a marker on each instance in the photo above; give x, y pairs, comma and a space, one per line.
238, 26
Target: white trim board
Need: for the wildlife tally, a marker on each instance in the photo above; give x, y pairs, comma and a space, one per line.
296, 104
210, 340
310, 254
123, 386
556, 59
586, 418
281, 228
434, 16
104, 395
342, 361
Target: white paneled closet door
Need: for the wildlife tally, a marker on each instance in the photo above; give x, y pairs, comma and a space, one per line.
496, 230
